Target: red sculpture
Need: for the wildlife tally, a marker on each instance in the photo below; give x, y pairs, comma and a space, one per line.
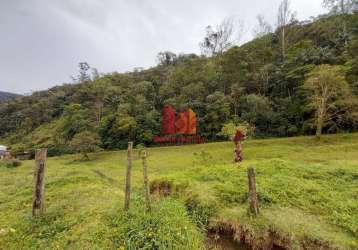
184, 123
191, 122
181, 123
168, 120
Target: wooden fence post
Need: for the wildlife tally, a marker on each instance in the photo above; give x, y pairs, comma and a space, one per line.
38, 205
146, 181
128, 176
254, 208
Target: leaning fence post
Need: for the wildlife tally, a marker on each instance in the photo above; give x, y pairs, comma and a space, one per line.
254, 208
128, 176
38, 205
145, 175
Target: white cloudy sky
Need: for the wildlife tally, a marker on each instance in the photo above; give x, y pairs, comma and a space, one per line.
42, 41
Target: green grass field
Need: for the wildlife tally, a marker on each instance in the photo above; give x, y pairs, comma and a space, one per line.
308, 193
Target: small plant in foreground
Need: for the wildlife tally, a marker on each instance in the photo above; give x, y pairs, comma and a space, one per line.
13, 163
166, 226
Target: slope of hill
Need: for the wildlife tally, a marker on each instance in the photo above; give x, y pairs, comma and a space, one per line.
307, 193
7, 96
255, 83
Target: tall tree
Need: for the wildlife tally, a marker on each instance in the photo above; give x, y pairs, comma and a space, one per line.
83, 73
262, 28
166, 58
285, 16
74, 120
218, 39
342, 7
85, 143
329, 95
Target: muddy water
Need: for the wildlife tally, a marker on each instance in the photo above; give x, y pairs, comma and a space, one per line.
224, 242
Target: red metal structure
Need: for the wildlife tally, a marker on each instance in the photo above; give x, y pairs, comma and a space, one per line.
184, 123
168, 120
179, 128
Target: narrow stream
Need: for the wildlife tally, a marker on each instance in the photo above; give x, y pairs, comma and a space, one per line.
224, 242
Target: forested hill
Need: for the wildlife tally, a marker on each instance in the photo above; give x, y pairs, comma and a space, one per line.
6, 96
267, 83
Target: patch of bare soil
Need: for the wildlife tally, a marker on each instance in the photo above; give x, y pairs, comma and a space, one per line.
229, 235
223, 241
161, 188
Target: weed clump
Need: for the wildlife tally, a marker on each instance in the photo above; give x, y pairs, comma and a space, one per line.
164, 187
166, 226
203, 158
13, 163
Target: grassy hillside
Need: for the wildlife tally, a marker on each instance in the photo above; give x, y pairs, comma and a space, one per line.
307, 191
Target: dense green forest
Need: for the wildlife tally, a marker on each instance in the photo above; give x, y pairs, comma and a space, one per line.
271, 83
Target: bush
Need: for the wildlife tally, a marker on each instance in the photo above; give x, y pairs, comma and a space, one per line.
85, 142
18, 149
11, 163
229, 129
59, 149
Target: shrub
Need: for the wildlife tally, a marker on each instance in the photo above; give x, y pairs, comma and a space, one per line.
85, 142
228, 130
18, 149
58, 149
200, 211
11, 163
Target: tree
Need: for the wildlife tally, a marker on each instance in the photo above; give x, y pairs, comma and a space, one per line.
83, 75
257, 111
166, 58
285, 16
218, 39
217, 111
117, 129
74, 120
341, 6
262, 28
85, 142
148, 126
328, 94
228, 129
236, 93
93, 95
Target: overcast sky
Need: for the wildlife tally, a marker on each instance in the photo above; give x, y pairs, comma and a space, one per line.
42, 41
